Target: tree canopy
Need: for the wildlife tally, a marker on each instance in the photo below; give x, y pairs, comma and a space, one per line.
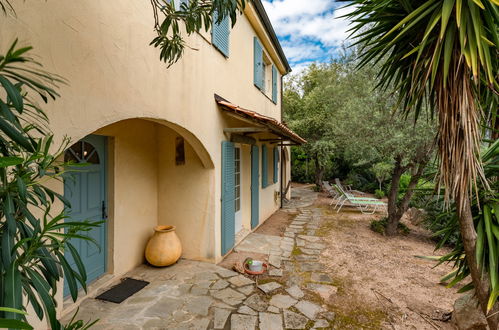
340, 113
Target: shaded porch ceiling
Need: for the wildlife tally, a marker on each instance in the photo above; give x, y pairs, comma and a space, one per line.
263, 123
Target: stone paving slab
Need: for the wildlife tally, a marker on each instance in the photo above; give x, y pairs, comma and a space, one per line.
308, 309
295, 292
243, 322
220, 318
198, 295
294, 320
282, 301
270, 321
258, 243
269, 287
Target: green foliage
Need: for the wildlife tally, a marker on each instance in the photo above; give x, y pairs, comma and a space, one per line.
404, 182
441, 55
327, 103
303, 168
390, 32
382, 171
442, 223
486, 221
485, 211
361, 178
13, 323
174, 20
379, 226
378, 193
308, 114
34, 237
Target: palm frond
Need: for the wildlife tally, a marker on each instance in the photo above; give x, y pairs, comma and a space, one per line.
439, 54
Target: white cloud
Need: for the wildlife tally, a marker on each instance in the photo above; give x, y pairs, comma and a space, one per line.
299, 51
299, 68
282, 9
308, 28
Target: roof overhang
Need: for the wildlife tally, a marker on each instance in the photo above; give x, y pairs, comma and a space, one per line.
264, 18
273, 125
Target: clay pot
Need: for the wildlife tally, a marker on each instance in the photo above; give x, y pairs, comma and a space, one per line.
164, 247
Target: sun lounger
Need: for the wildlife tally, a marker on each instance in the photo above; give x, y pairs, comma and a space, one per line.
364, 204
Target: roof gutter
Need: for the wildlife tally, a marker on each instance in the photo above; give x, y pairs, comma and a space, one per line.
268, 26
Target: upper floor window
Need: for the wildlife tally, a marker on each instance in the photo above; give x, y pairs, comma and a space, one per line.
178, 3
270, 166
265, 73
220, 34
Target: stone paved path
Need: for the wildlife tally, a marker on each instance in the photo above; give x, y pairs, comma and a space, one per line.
197, 295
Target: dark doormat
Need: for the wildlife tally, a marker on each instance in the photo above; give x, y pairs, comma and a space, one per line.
125, 289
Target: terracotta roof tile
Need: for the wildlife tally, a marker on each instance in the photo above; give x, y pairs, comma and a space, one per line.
273, 124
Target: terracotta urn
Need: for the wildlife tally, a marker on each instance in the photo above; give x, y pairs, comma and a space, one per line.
164, 247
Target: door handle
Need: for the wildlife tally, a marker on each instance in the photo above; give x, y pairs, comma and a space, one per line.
104, 214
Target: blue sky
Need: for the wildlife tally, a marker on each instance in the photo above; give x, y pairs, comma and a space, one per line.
309, 30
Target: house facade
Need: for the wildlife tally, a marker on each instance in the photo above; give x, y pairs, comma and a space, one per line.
199, 146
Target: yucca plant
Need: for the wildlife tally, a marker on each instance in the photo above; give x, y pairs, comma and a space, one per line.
441, 55
34, 237
485, 208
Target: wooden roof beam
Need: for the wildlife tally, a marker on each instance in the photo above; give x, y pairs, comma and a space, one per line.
245, 130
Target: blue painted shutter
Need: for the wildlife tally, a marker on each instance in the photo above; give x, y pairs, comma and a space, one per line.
258, 64
264, 166
276, 161
178, 3
274, 84
255, 192
220, 34
228, 196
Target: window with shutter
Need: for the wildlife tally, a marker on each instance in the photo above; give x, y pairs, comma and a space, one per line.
276, 162
264, 167
258, 67
274, 84
228, 196
255, 192
220, 34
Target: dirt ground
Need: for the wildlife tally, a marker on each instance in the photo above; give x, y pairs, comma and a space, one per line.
276, 224
379, 278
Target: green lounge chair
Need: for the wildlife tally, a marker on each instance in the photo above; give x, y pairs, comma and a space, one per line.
364, 204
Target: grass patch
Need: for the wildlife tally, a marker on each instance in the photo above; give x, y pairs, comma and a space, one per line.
359, 318
379, 226
326, 227
269, 279
296, 251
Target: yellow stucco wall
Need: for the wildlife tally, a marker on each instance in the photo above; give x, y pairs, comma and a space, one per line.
185, 197
133, 191
101, 49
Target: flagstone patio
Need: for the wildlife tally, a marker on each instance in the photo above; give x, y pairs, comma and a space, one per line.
198, 295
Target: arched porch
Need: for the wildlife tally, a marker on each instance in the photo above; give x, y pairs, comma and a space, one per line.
155, 173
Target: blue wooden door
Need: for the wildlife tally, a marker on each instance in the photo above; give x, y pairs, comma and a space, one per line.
255, 193
85, 188
228, 197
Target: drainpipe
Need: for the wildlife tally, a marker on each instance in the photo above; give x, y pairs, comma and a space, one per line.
282, 174
282, 148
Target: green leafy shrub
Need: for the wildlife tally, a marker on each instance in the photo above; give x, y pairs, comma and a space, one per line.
379, 193
379, 226
382, 171
35, 238
443, 225
302, 168
362, 179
